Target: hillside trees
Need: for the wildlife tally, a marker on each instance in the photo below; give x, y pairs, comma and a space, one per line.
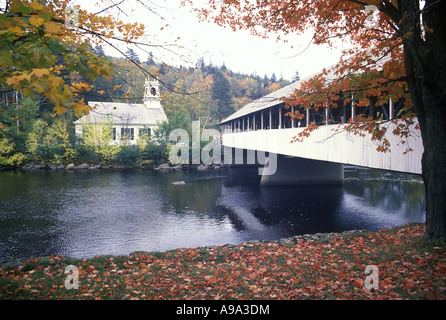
396, 50
201, 91
51, 49
188, 91
52, 63
221, 96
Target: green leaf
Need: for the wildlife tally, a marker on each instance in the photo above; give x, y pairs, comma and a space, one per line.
22, 8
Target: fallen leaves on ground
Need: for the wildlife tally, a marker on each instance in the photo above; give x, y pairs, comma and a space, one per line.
333, 268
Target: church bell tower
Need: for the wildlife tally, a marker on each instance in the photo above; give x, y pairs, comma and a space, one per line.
152, 98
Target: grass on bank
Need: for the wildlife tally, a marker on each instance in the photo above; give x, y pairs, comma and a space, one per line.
331, 268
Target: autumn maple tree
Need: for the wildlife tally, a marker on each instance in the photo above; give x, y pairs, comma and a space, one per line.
397, 50
44, 43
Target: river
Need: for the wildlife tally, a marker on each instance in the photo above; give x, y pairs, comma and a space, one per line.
85, 213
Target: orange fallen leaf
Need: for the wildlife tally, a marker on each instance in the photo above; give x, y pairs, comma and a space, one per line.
359, 283
211, 279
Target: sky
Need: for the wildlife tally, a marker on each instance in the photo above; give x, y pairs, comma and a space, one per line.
188, 40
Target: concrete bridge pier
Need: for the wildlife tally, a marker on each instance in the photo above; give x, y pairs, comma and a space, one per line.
300, 171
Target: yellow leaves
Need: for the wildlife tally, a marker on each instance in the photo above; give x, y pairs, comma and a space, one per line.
32, 67
15, 81
80, 107
101, 67
36, 21
14, 30
52, 27
40, 72
117, 87
36, 6
80, 87
44, 81
56, 69
101, 92
26, 77
59, 109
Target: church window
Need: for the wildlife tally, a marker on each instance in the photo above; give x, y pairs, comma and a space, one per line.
145, 132
127, 133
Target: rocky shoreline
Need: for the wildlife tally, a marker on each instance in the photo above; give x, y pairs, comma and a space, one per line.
290, 241
165, 167
317, 237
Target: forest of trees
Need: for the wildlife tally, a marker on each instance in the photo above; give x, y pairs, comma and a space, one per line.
32, 132
202, 91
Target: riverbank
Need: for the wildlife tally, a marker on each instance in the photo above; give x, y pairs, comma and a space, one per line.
164, 167
322, 266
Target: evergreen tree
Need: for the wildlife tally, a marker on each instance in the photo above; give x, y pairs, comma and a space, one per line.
201, 64
99, 51
221, 96
296, 77
273, 78
132, 56
150, 60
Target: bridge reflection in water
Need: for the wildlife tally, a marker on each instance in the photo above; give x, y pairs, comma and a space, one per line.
368, 199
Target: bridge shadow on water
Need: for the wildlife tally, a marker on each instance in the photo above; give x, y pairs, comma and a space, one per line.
281, 211
305, 209
368, 199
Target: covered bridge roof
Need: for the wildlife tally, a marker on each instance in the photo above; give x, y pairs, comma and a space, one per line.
275, 98
264, 102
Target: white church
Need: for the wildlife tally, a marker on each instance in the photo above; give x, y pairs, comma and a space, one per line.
129, 120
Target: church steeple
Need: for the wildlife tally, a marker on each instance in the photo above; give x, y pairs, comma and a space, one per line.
152, 97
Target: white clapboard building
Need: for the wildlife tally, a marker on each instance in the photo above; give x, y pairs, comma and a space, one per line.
128, 120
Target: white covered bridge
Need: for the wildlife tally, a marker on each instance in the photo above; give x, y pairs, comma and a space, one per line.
263, 126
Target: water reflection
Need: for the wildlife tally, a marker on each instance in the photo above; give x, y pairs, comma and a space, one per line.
376, 199
85, 213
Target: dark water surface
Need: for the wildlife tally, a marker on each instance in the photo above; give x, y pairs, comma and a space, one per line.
113, 212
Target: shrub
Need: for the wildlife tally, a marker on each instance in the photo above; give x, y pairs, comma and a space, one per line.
86, 154
128, 155
98, 137
8, 156
157, 152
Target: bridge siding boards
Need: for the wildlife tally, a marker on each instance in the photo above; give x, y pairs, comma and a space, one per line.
323, 144
326, 145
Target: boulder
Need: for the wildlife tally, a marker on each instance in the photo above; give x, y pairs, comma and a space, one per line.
164, 166
202, 167
70, 167
83, 166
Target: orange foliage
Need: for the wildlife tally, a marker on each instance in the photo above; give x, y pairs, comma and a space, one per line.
371, 66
